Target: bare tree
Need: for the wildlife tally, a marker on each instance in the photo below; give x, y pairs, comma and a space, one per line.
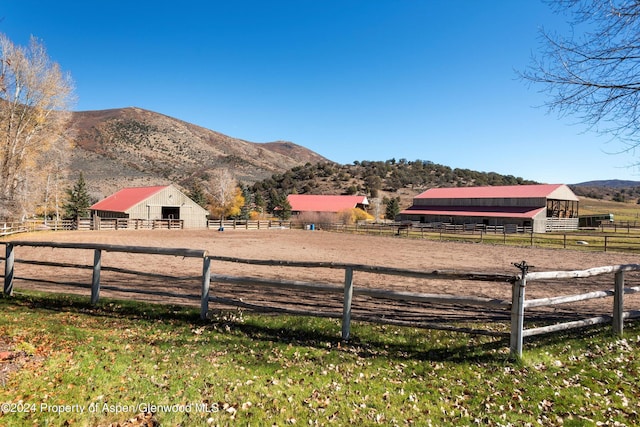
52, 177
222, 190
35, 97
593, 73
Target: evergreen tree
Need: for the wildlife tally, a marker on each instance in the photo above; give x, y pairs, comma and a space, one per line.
78, 199
245, 210
393, 208
197, 194
260, 202
282, 207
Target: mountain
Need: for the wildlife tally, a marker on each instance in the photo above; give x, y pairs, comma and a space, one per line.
611, 189
609, 183
134, 147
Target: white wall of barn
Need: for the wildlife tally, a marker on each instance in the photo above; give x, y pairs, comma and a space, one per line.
193, 215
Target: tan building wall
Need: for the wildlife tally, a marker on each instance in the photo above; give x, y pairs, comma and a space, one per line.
171, 203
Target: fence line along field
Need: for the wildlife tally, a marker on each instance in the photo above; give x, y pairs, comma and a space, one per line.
175, 275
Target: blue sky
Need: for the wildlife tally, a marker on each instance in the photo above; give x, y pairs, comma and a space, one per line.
350, 79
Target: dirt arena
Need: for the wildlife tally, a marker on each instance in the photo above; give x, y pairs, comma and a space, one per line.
303, 245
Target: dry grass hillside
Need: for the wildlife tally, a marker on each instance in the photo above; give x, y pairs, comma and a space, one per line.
135, 147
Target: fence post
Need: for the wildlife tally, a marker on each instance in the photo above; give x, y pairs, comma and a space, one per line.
95, 280
206, 281
346, 308
618, 304
8, 270
605, 243
517, 311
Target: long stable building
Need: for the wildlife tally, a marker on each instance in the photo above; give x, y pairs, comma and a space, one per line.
545, 207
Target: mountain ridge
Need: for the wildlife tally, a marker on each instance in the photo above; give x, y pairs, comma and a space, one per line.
132, 146
609, 183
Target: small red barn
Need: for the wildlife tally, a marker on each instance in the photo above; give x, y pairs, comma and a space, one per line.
325, 203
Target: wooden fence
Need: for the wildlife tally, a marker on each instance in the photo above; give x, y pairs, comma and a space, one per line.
130, 224
507, 235
516, 305
10, 260
9, 228
518, 332
235, 224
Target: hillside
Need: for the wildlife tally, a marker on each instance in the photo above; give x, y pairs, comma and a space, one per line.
404, 180
613, 189
136, 147
377, 179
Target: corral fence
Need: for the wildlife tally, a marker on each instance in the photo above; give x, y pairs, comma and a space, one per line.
235, 224
129, 224
618, 226
508, 234
9, 228
87, 224
477, 233
516, 305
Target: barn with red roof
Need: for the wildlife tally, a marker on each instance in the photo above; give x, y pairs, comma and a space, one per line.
541, 208
325, 203
152, 203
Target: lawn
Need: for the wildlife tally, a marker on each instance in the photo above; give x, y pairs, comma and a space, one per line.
85, 365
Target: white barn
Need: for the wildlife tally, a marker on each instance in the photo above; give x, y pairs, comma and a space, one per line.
152, 203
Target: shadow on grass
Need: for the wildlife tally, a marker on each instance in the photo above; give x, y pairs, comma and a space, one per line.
125, 309
367, 341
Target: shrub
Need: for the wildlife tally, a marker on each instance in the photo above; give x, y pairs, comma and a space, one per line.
351, 216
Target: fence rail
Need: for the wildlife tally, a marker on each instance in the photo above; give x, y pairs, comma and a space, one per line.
507, 235
130, 224
515, 305
519, 304
235, 224
9, 259
9, 228
622, 240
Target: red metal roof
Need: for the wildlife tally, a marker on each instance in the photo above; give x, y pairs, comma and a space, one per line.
475, 211
126, 198
324, 203
505, 191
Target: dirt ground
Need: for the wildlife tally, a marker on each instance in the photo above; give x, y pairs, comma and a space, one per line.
181, 276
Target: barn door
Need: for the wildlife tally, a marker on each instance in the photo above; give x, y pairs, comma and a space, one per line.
169, 212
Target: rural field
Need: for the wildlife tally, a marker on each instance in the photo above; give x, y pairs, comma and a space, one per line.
126, 363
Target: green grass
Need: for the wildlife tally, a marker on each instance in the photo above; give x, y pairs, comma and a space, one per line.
622, 211
248, 369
